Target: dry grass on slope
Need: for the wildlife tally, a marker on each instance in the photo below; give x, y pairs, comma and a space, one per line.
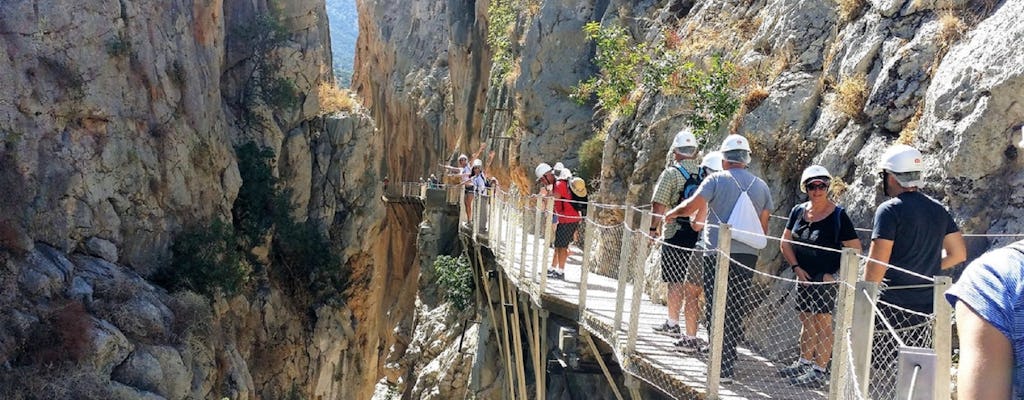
851, 94
334, 99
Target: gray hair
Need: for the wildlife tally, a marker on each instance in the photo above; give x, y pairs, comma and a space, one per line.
736, 156
908, 179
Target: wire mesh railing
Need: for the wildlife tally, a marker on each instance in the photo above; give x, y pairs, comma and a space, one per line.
740, 331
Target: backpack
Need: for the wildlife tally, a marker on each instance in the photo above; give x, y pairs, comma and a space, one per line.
745, 218
578, 189
839, 221
691, 185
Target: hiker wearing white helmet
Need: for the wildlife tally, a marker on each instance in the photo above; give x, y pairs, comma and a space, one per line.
566, 217
679, 268
737, 197
818, 222
911, 231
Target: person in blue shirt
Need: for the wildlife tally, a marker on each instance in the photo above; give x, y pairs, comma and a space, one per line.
989, 303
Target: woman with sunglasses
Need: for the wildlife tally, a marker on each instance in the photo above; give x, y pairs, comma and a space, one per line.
819, 222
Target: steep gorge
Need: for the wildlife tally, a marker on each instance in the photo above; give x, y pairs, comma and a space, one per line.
120, 122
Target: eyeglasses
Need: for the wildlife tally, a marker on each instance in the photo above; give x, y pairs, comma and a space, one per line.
817, 186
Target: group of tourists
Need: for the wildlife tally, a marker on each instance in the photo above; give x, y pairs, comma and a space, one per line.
472, 178
913, 236
569, 196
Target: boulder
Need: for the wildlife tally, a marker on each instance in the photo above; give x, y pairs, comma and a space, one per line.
101, 248
157, 369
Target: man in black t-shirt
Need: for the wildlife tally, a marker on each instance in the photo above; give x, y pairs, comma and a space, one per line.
911, 231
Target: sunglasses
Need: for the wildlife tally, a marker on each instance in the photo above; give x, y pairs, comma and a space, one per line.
817, 186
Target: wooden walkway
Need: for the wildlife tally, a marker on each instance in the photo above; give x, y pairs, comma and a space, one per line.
655, 361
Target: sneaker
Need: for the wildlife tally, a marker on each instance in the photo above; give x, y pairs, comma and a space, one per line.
669, 330
554, 274
795, 369
813, 378
725, 380
689, 344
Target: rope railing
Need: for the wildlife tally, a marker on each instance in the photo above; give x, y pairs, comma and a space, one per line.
745, 329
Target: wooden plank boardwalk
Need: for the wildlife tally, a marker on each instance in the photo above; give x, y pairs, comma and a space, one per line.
655, 360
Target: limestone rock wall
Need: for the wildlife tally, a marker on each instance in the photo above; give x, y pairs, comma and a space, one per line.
118, 123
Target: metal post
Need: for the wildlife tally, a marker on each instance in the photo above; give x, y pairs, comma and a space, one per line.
476, 216
620, 292
506, 351
600, 362
518, 339
942, 338
637, 271
549, 239
588, 237
842, 320
542, 372
538, 222
524, 238
718, 309
862, 332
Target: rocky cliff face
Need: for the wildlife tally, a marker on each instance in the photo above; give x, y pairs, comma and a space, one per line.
909, 65
119, 125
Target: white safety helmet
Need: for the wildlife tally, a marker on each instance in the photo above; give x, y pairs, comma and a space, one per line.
684, 138
542, 168
463, 157
478, 163
901, 158
734, 142
905, 163
712, 161
814, 171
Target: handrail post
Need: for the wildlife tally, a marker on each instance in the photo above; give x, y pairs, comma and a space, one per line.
862, 332
588, 236
843, 320
538, 222
549, 239
718, 309
639, 281
620, 292
476, 215
524, 239
942, 338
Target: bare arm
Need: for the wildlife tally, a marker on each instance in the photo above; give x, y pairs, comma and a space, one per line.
986, 357
764, 221
697, 223
787, 248
657, 210
879, 252
956, 250
687, 207
853, 244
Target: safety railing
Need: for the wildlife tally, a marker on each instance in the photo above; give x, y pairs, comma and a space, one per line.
750, 325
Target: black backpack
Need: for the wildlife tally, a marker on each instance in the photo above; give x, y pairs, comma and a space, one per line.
691, 185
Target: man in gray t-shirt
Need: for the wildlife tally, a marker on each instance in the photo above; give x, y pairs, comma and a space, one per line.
719, 192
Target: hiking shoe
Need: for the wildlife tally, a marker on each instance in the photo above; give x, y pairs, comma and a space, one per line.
795, 369
669, 330
813, 378
689, 344
554, 274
